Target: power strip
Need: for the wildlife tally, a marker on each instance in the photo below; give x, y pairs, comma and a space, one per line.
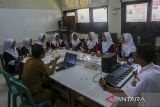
91, 66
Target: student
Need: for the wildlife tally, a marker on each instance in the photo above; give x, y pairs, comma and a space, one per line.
75, 43
10, 55
57, 42
128, 46
92, 43
27, 47
107, 44
41, 40
147, 79
34, 71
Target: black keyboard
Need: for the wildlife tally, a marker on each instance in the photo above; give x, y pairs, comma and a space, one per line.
119, 74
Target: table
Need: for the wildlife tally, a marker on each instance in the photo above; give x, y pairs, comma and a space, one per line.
79, 80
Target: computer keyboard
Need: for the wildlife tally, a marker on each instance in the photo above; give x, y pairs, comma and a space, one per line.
119, 74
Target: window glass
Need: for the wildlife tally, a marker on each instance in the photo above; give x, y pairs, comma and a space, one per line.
70, 14
83, 15
100, 15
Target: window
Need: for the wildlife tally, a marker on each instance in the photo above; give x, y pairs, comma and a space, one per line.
100, 15
156, 10
136, 12
70, 14
83, 15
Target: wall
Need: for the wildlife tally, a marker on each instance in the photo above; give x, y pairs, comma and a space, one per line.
30, 4
94, 3
114, 18
23, 18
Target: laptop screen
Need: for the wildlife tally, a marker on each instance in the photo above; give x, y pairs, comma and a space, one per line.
70, 58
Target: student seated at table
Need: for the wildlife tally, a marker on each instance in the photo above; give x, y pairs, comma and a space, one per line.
57, 42
75, 43
27, 47
107, 44
11, 56
42, 40
33, 74
128, 46
92, 44
146, 82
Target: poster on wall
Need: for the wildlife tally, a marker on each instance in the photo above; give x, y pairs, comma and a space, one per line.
156, 10
136, 12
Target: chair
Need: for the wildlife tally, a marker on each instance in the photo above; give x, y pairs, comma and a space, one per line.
2, 61
11, 89
26, 97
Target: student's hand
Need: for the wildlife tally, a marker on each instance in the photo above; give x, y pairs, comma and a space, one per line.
21, 58
92, 53
135, 73
103, 84
51, 62
57, 58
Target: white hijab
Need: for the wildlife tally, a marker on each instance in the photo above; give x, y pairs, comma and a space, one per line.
74, 42
8, 47
26, 44
93, 42
106, 44
56, 43
129, 46
40, 40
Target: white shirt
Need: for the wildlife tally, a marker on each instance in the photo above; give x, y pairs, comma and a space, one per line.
148, 86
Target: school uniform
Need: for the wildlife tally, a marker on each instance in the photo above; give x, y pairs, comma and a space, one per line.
57, 44
10, 56
92, 45
41, 41
128, 48
108, 45
26, 49
148, 86
75, 44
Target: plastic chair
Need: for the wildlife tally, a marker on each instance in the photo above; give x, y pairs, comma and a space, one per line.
26, 97
11, 88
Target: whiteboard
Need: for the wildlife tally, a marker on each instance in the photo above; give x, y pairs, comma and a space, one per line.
21, 23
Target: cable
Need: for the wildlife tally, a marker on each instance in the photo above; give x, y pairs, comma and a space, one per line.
93, 79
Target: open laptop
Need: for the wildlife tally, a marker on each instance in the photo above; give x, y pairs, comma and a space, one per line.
69, 60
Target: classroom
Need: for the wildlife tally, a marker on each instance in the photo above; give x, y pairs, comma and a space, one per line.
79, 53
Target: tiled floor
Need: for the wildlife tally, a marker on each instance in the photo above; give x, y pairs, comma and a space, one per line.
3, 95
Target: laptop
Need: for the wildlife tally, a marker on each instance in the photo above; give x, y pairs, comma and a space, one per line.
69, 60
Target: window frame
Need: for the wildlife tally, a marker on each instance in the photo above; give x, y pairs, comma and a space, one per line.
124, 5
151, 14
90, 26
77, 16
134, 4
100, 8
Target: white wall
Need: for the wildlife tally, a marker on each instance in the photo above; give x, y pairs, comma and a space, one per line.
28, 18
114, 17
20, 23
30, 4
